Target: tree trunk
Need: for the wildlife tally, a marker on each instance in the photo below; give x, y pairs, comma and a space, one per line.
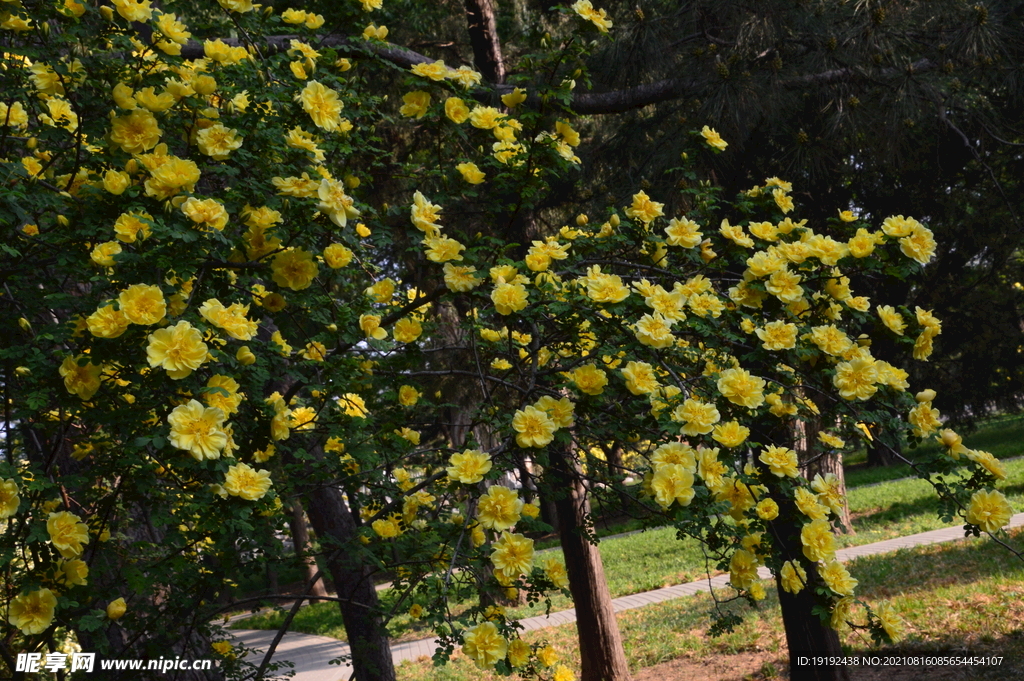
813, 462
300, 539
601, 654
483, 35
832, 463
806, 634
371, 652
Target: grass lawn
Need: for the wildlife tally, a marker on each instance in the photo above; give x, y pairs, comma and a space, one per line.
1002, 436
655, 558
963, 597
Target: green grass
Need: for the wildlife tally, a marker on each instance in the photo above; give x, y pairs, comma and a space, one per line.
655, 558
1002, 436
904, 507
963, 597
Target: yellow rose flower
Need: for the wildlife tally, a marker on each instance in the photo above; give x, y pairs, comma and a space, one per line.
130, 226
218, 141
698, 417
781, 461
142, 304
818, 541
767, 509
989, 510
415, 104
777, 335
245, 356
9, 499
435, 71
838, 578
730, 434
322, 104
534, 427
713, 138
103, 254
469, 467
135, 133
671, 483
589, 379
643, 209
209, 213
512, 555
198, 430
67, 533
73, 572
484, 645
499, 509
509, 298
179, 349
456, 110
107, 322
793, 577
80, 379
243, 481
32, 613
294, 269
337, 256
471, 173
116, 181
408, 396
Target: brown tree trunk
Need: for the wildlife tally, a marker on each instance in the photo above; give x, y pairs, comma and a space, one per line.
332, 520
483, 35
806, 634
300, 539
813, 462
602, 657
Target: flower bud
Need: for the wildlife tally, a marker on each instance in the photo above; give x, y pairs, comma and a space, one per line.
116, 609
925, 395
582, 220
245, 356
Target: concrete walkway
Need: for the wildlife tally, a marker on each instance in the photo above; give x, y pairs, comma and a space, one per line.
311, 654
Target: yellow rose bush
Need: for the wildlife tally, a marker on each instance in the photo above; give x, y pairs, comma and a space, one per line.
233, 295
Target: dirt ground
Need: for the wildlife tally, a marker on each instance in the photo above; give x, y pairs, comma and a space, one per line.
769, 667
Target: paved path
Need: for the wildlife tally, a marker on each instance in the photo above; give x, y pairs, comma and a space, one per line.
310, 654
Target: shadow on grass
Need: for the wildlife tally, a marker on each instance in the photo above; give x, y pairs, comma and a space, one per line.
1010, 648
929, 567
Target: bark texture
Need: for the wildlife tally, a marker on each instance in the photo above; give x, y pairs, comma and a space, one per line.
602, 657
813, 462
300, 539
483, 35
806, 634
371, 651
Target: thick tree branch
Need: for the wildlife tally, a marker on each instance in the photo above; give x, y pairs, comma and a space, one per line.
345, 45
487, 51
